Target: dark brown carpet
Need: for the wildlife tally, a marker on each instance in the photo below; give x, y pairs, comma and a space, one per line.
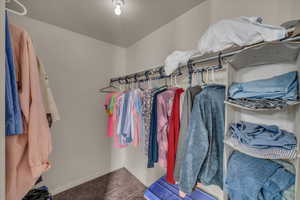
117, 185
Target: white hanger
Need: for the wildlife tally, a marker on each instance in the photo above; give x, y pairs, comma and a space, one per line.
16, 12
149, 83
207, 76
176, 83
198, 78
213, 74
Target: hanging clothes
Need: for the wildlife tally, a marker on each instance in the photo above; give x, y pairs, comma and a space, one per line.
25, 164
147, 109
13, 115
164, 111
187, 107
124, 135
203, 157
147, 113
137, 122
109, 111
117, 113
125, 118
153, 144
173, 136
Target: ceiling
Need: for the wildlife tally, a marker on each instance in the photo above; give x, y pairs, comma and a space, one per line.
95, 18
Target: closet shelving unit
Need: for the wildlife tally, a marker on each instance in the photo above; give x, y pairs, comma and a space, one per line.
239, 59
259, 57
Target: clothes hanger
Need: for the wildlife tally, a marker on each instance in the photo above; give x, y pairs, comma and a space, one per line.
190, 71
148, 79
213, 75
127, 86
130, 83
169, 81
162, 76
202, 78
23, 13
210, 79
175, 79
179, 73
207, 76
120, 84
136, 82
107, 89
197, 77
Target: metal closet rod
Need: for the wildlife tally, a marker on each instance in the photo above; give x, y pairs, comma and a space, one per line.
160, 69
193, 61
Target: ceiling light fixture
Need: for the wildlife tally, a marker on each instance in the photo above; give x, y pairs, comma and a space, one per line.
119, 4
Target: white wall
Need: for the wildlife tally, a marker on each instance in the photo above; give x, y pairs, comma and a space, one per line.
183, 33
77, 67
2, 104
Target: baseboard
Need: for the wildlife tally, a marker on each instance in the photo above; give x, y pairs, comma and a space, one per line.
78, 182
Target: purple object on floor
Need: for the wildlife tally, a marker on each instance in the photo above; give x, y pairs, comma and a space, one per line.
161, 190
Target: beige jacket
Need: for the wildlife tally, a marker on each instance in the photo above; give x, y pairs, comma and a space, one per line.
48, 99
27, 154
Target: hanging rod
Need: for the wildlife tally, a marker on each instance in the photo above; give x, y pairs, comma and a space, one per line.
194, 60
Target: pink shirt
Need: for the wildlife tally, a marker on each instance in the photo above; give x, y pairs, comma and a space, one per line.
27, 154
164, 109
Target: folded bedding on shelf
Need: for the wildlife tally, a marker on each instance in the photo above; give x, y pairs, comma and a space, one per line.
285, 87
257, 178
273, 153
261, 136
241, 31
256, 104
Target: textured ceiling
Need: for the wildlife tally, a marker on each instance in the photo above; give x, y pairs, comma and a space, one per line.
95, 18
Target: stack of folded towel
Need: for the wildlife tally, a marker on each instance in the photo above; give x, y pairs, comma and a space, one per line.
273, 93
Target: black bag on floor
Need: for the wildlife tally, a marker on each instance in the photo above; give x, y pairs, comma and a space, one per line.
41, 193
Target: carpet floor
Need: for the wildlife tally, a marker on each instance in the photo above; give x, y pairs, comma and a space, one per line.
117, 185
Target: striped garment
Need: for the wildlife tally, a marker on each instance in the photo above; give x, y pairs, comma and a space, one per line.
271, 153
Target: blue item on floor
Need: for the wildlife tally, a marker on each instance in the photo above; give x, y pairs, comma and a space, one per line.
161, 190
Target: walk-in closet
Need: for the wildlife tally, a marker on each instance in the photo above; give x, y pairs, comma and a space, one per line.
155, 100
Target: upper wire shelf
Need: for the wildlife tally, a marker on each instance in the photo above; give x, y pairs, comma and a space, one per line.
286, 50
